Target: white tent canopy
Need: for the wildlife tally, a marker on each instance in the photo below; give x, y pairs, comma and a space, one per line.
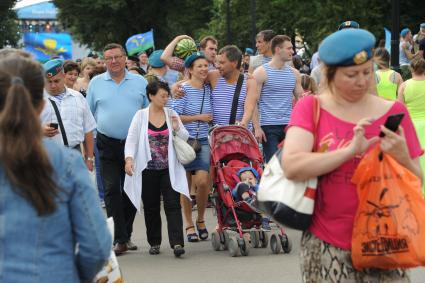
26, 3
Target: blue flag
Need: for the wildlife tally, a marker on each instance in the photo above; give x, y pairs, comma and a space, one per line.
387, 40
45, 46
139, 42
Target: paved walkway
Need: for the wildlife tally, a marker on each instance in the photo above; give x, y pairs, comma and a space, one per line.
201, 264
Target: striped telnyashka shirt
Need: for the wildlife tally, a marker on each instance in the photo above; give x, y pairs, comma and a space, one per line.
190, 105
276, 96
222, 99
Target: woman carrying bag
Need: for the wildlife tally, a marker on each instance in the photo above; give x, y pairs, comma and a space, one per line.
351, 120
195, 111
152, 168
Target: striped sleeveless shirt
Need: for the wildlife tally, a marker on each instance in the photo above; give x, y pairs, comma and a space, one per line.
276, 96
190, 105
222, 99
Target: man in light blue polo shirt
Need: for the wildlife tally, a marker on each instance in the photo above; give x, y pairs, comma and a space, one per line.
114, 97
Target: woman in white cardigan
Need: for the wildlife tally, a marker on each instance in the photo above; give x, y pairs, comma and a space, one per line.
152, 168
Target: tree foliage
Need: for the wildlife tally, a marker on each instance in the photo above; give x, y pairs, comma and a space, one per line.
8, 28
98, 22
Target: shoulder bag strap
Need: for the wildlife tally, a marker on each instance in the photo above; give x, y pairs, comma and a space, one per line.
200, 112
238, 88
58, 116
316, 118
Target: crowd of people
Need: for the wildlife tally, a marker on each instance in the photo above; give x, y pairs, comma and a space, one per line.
117, 116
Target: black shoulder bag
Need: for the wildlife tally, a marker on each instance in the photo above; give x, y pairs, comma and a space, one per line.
194, 142
238, 88
58, 116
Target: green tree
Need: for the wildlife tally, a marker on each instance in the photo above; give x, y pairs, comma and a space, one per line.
98, 22
313, 19
8, 27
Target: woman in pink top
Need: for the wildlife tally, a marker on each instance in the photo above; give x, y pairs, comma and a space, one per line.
349, 125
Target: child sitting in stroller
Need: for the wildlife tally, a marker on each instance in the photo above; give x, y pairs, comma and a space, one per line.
246, 191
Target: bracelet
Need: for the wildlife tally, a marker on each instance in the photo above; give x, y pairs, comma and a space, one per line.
90, 159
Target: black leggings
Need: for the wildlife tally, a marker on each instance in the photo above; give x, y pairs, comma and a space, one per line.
156, 183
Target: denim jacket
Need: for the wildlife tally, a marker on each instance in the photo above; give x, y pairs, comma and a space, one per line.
69, 245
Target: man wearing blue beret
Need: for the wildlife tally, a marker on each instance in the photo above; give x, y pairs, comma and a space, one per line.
406, 55
160, 71
114, 97
66, 116
348, 24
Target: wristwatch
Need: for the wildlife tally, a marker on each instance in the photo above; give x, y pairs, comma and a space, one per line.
90, 159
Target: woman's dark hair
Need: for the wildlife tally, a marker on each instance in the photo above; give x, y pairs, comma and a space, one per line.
97, 71
22, 154
308, 83
382, 58
137, 69
70, 65
417, 65
153, 87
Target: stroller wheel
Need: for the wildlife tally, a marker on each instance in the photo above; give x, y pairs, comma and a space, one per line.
275, 244
264, 239
286, 243
244, 246
225, 241
215, 241
233, 247
255, 239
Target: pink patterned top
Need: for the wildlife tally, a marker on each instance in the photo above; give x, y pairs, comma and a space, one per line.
336, 200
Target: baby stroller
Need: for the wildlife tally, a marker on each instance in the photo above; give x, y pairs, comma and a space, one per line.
239, 226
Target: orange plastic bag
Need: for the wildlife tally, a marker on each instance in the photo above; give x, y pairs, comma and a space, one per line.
389, 227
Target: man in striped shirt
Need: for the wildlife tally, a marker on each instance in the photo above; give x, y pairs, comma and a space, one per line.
223, 82
277, 84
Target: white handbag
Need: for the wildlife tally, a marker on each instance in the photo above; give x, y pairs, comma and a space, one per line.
184, 151
288, 202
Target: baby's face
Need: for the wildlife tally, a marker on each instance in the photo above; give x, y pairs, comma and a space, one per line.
248, 177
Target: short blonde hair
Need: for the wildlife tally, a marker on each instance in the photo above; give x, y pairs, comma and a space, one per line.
88, 61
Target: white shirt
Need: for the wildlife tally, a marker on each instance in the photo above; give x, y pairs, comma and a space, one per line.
75, 113
137, 146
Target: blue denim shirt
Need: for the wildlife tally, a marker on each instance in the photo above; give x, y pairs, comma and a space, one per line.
69, 245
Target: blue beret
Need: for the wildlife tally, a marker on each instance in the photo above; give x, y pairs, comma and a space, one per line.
249, 51
423, 25
348, 24
190, 59
53, 67
155, 59
347, 47
404, 32
244, 169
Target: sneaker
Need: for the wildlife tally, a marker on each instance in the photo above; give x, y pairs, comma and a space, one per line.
131, 246
154, 250
178, 250
265, 224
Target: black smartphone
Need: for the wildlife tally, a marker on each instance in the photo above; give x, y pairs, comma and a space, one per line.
392, 123
54, 125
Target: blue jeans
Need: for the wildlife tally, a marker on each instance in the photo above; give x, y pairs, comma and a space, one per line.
274, 135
